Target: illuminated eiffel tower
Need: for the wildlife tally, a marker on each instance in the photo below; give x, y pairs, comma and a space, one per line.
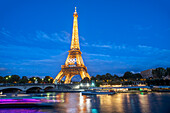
74, 64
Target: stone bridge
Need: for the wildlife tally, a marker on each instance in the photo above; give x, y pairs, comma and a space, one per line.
27, 87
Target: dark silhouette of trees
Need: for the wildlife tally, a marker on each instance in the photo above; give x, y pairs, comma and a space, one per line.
127, 75
2, 79
32, 79
168, 70
24, 80
39, 79
137, 76
131, 76
98, 77
14, 79
48, 79
85, 80
159, 72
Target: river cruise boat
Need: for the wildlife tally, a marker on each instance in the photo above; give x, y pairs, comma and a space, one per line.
98, 92
26, 101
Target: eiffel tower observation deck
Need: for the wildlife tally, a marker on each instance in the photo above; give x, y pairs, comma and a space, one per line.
74, 64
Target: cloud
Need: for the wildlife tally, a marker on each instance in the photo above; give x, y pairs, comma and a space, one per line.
3, 69
107, 46
102, 55
44, 52
144, 46
96, 45
119, 47
62, 36
104, 46
82, 38
5, 32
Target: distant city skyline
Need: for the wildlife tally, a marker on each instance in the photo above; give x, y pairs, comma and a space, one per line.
115, 36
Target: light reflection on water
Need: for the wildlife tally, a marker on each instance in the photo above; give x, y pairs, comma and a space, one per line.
118, 103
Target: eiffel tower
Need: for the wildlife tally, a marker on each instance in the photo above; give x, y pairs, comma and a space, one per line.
74, 64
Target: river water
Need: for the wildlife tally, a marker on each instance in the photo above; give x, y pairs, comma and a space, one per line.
118, 103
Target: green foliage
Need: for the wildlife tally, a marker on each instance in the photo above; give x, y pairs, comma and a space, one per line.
85, 80
7, 79
2, 79
98, 77
158, 82
115, 76
48, 79
14, 79
128, 75
93, 78
159, 72
168, 70
39, 79
131, 76
24, 80
32, 79
137, 76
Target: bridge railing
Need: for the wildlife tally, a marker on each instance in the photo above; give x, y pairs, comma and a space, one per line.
27, 84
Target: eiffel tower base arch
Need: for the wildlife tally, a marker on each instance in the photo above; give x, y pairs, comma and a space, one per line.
70, 72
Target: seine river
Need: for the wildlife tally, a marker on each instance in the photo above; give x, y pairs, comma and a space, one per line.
118, 103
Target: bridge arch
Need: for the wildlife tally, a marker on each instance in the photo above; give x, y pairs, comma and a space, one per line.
33, 89
10, 90
48, 87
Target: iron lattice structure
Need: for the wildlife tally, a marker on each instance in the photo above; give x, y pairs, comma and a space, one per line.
74, 64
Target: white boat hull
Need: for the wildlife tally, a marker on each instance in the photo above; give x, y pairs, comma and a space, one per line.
97, 93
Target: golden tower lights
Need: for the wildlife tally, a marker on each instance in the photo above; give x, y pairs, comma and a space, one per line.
74, 64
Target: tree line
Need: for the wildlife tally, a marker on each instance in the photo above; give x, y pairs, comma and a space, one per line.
25, 79
161, 72
129, 78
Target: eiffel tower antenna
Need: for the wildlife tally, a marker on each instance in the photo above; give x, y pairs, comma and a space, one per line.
75, 9
74, 64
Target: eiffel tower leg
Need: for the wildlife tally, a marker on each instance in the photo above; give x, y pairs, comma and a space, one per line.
87, 75
58, 77
67, 79
70, 78
82, 74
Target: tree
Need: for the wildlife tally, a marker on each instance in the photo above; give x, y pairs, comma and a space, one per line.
1, 79
137, 76
32, 79
103, 77
127, 75
39, 79
168, 70
14, 79
48, 79
115, 76
108, 76
159, 72
24, 80
93, 78
7, 79
85, 80
98, 77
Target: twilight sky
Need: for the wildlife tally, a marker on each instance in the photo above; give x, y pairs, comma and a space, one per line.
115, 35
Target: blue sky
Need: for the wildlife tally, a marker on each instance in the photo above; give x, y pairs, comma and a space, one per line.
115, 35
